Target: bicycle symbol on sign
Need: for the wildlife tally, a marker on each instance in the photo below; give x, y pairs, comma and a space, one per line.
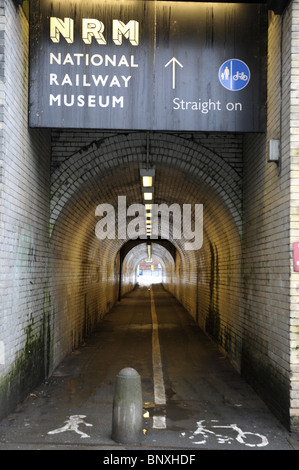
247, 438
240, 76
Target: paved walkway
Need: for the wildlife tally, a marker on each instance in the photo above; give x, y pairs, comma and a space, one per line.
194, 400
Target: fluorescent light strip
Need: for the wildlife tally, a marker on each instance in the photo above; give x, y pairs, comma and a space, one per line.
147, 181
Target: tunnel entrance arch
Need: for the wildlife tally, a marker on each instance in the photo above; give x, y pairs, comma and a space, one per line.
86, 271
163, 250
136, 251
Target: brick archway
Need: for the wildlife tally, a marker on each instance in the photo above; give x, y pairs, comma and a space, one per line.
85, 271
194, 160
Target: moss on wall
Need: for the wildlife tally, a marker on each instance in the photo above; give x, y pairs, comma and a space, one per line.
26, 372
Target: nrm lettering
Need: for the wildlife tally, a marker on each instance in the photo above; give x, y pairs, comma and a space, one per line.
93, 29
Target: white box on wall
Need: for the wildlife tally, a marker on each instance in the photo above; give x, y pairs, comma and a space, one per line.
274, 150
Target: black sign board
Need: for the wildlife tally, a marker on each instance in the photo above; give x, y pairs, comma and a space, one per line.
147, 65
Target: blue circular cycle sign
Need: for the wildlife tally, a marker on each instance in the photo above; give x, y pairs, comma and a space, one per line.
234, 74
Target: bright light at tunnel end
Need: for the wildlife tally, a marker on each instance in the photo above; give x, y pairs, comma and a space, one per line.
172, 222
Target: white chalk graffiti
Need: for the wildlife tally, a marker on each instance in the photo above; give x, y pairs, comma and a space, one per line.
247, 438
72, 424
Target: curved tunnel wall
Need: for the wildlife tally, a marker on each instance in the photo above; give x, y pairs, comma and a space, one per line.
85, 270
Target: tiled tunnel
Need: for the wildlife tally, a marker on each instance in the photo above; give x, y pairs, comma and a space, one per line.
87, 271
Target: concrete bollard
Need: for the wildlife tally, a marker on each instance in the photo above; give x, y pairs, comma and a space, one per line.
127, 407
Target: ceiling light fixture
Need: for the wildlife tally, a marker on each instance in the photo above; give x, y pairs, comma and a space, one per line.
147, 181
148, 195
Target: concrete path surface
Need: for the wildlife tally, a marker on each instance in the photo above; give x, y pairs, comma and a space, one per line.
193, 399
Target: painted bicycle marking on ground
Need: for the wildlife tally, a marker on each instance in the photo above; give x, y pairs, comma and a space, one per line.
247, 438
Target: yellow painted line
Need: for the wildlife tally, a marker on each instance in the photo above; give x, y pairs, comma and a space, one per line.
159, 388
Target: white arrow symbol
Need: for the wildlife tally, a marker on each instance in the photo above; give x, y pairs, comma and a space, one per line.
174, 61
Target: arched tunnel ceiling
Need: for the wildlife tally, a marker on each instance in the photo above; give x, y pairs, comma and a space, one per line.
166, 244
139, 252
186, 173
183, 161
